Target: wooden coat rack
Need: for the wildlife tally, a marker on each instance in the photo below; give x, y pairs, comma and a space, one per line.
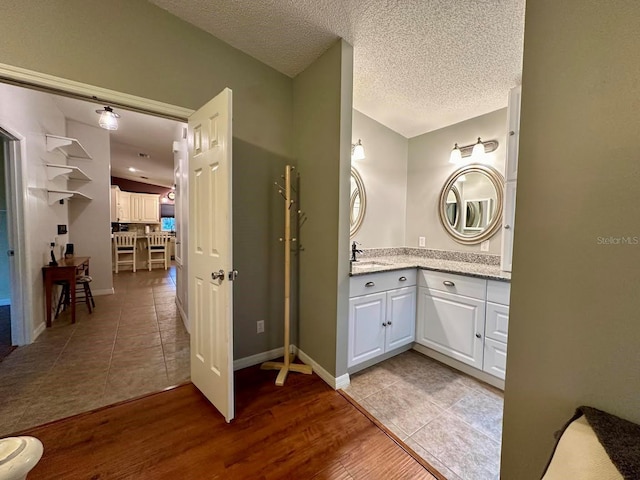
287, 365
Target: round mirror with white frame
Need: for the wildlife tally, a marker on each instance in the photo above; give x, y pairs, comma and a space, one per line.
471, 204
357, 202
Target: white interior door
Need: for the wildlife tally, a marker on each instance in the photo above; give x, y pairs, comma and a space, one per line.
210, 257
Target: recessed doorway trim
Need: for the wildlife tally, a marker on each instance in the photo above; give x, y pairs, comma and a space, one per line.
62, 86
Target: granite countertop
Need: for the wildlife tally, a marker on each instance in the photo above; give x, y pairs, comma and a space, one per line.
384, 263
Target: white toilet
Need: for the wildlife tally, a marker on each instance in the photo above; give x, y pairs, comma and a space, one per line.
18, 455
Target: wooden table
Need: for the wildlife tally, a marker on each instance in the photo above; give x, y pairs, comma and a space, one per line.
66, 270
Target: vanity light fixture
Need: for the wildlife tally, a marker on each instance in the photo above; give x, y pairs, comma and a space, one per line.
357, 151
476, 151
456, 155
108, 118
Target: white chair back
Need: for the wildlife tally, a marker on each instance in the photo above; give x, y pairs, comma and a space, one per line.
125, 239
158, 239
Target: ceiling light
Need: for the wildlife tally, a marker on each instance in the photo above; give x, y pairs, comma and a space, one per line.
131, 169
108, 118
456, 155
357, 151
478, 153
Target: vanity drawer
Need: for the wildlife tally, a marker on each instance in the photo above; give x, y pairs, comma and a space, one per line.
498, 292
449, 282
381, 281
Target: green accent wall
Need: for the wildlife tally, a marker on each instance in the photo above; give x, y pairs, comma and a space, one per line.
574, 333
322, 118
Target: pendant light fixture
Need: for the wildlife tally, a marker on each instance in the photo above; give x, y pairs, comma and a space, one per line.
108, 118
456, 155
357, 151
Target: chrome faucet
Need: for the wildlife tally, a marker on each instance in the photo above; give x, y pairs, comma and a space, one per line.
354, 251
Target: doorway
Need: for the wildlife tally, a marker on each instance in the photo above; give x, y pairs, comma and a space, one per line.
6, 343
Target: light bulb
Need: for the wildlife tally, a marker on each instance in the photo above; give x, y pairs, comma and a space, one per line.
358, 151
456, 155
108, 118
478, 153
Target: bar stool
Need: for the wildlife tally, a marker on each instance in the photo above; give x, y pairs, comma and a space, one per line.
125, 244
158, 243
83, 294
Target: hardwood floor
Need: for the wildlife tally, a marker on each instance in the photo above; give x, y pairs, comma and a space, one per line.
303, 430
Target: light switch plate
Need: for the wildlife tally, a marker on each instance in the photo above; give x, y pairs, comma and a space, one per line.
484, 246
260, 326
422, 241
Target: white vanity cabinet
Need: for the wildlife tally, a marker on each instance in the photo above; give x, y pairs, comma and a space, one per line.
382, 312
466, 319
451, 315
497, 328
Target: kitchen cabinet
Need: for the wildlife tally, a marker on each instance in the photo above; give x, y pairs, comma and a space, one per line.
120, 205
384, 319
128, 207
145, 208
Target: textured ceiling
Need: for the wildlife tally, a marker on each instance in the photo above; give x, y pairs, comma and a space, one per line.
419, 64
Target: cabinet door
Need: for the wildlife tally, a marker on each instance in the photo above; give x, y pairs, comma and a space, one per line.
401, 317
113, 204
495, 358
509, 220
513, 138
366, 329
150, 208
497, 322
124, 206
452, 324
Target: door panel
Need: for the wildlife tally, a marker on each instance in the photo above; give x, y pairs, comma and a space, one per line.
366, 327
210, 257
401, 317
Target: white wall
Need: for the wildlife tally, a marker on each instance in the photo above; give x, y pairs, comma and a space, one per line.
29, 114
429, 168
89, 221
384, 174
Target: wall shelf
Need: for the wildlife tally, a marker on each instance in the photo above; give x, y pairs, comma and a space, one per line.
71, 172
57, 195
70, 147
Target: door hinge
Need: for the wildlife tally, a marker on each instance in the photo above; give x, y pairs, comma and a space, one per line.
233, 274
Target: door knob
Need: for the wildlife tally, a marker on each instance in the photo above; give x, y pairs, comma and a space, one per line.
219, 275
478, 335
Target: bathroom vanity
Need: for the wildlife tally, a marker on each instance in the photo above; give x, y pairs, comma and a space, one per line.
452, 310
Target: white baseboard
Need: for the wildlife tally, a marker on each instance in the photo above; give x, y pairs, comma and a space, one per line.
183, 315
4, 302
38, 331
103, 291
252, 360
335, 383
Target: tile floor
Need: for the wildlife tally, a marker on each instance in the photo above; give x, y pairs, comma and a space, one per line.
133, 343
450, 419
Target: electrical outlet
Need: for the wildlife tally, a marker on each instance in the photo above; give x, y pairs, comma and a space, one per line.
422, 241
260, 325
484, 246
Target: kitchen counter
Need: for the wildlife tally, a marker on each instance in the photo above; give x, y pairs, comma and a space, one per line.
384, 263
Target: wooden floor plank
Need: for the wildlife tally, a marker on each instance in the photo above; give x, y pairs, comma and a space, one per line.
302, 430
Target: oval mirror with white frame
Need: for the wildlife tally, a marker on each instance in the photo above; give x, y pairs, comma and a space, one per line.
357, 202
471, 204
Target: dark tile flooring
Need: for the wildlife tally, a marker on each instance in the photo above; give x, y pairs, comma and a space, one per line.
451, 420
5, 332
134, 343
